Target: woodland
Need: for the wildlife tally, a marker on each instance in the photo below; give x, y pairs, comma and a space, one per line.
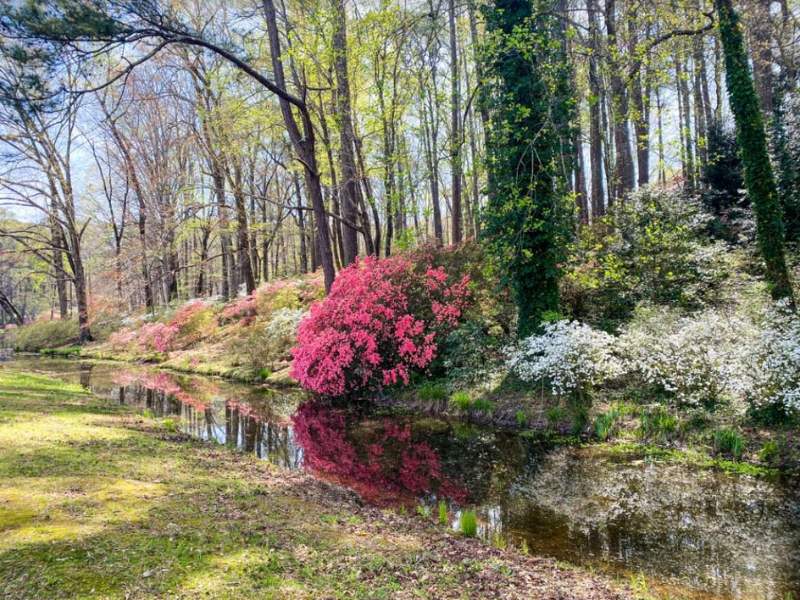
578, 220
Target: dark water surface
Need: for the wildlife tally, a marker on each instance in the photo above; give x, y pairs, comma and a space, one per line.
689, 532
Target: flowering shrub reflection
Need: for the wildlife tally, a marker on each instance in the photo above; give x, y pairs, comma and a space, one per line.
166, 384
382, 462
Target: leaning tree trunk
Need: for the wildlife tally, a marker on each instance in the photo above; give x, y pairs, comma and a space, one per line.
304, 146
758, 176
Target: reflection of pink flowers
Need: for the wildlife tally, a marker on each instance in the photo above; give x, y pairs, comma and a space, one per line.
160, 382
124, 378
382, 320
388, 468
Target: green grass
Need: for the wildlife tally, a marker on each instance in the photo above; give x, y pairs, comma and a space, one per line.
97, 502
431, 391
605, 423
657, 424
461, 400
444, 518
64, 351
728, 442
37, 336
468, 523
691, 457
483, 405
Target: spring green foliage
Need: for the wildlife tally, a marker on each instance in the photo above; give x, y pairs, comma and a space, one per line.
649, 249
657, 424
758, 176
443, 516
461, 400
431, 391
527, 220
468, 523
37, 336
729, 442
482, 405
605, 423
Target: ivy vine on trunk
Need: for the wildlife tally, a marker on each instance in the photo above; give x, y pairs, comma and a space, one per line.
529, 215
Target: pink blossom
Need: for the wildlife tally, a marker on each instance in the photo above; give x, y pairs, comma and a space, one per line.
383, 319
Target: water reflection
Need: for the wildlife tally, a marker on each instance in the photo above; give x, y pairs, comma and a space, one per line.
697, 532
380, 458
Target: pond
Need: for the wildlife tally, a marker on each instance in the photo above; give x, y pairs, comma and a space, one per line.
690, 532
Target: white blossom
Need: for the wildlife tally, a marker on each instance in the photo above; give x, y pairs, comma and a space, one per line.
775, 364
568, 356
699, 359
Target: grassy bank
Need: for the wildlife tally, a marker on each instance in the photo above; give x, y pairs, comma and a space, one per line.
97, 502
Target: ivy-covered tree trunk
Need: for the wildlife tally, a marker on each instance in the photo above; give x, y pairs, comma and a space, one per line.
528, 218
758, 176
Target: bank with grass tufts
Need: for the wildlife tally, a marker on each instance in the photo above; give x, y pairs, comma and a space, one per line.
99, 502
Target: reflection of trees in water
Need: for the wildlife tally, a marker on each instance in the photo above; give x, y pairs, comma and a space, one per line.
85, 374
737, 536
249, 423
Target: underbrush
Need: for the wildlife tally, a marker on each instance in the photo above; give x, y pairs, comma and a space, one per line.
247, 338
667, 337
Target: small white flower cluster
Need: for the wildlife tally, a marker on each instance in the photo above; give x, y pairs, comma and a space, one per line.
775, 364
699, 359
281, 330
568, 356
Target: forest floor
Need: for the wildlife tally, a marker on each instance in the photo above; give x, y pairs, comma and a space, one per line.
99, 502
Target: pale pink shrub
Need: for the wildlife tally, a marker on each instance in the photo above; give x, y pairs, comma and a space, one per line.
242, 309
157, 336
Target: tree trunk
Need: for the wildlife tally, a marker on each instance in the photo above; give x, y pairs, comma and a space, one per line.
242, 232
595, 106
623, 166
455, 127
758, 175
8, 307
685, 120
304, 146
346, 136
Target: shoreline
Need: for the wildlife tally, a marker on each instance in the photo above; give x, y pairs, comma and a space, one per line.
314, 536
406, 401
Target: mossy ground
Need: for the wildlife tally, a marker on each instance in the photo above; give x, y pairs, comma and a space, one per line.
97, 502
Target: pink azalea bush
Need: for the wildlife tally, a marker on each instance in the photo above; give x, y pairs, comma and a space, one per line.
157, 336
188, 324
243, 310
383, 319
122, 339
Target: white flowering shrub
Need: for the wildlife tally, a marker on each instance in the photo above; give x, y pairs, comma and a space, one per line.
272, 343
699, 359
280, 332
569, 357
775, 363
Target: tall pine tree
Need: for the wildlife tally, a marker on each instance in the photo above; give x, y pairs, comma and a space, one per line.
527, 93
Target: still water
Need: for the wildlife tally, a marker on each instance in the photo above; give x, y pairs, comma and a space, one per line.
689, 532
